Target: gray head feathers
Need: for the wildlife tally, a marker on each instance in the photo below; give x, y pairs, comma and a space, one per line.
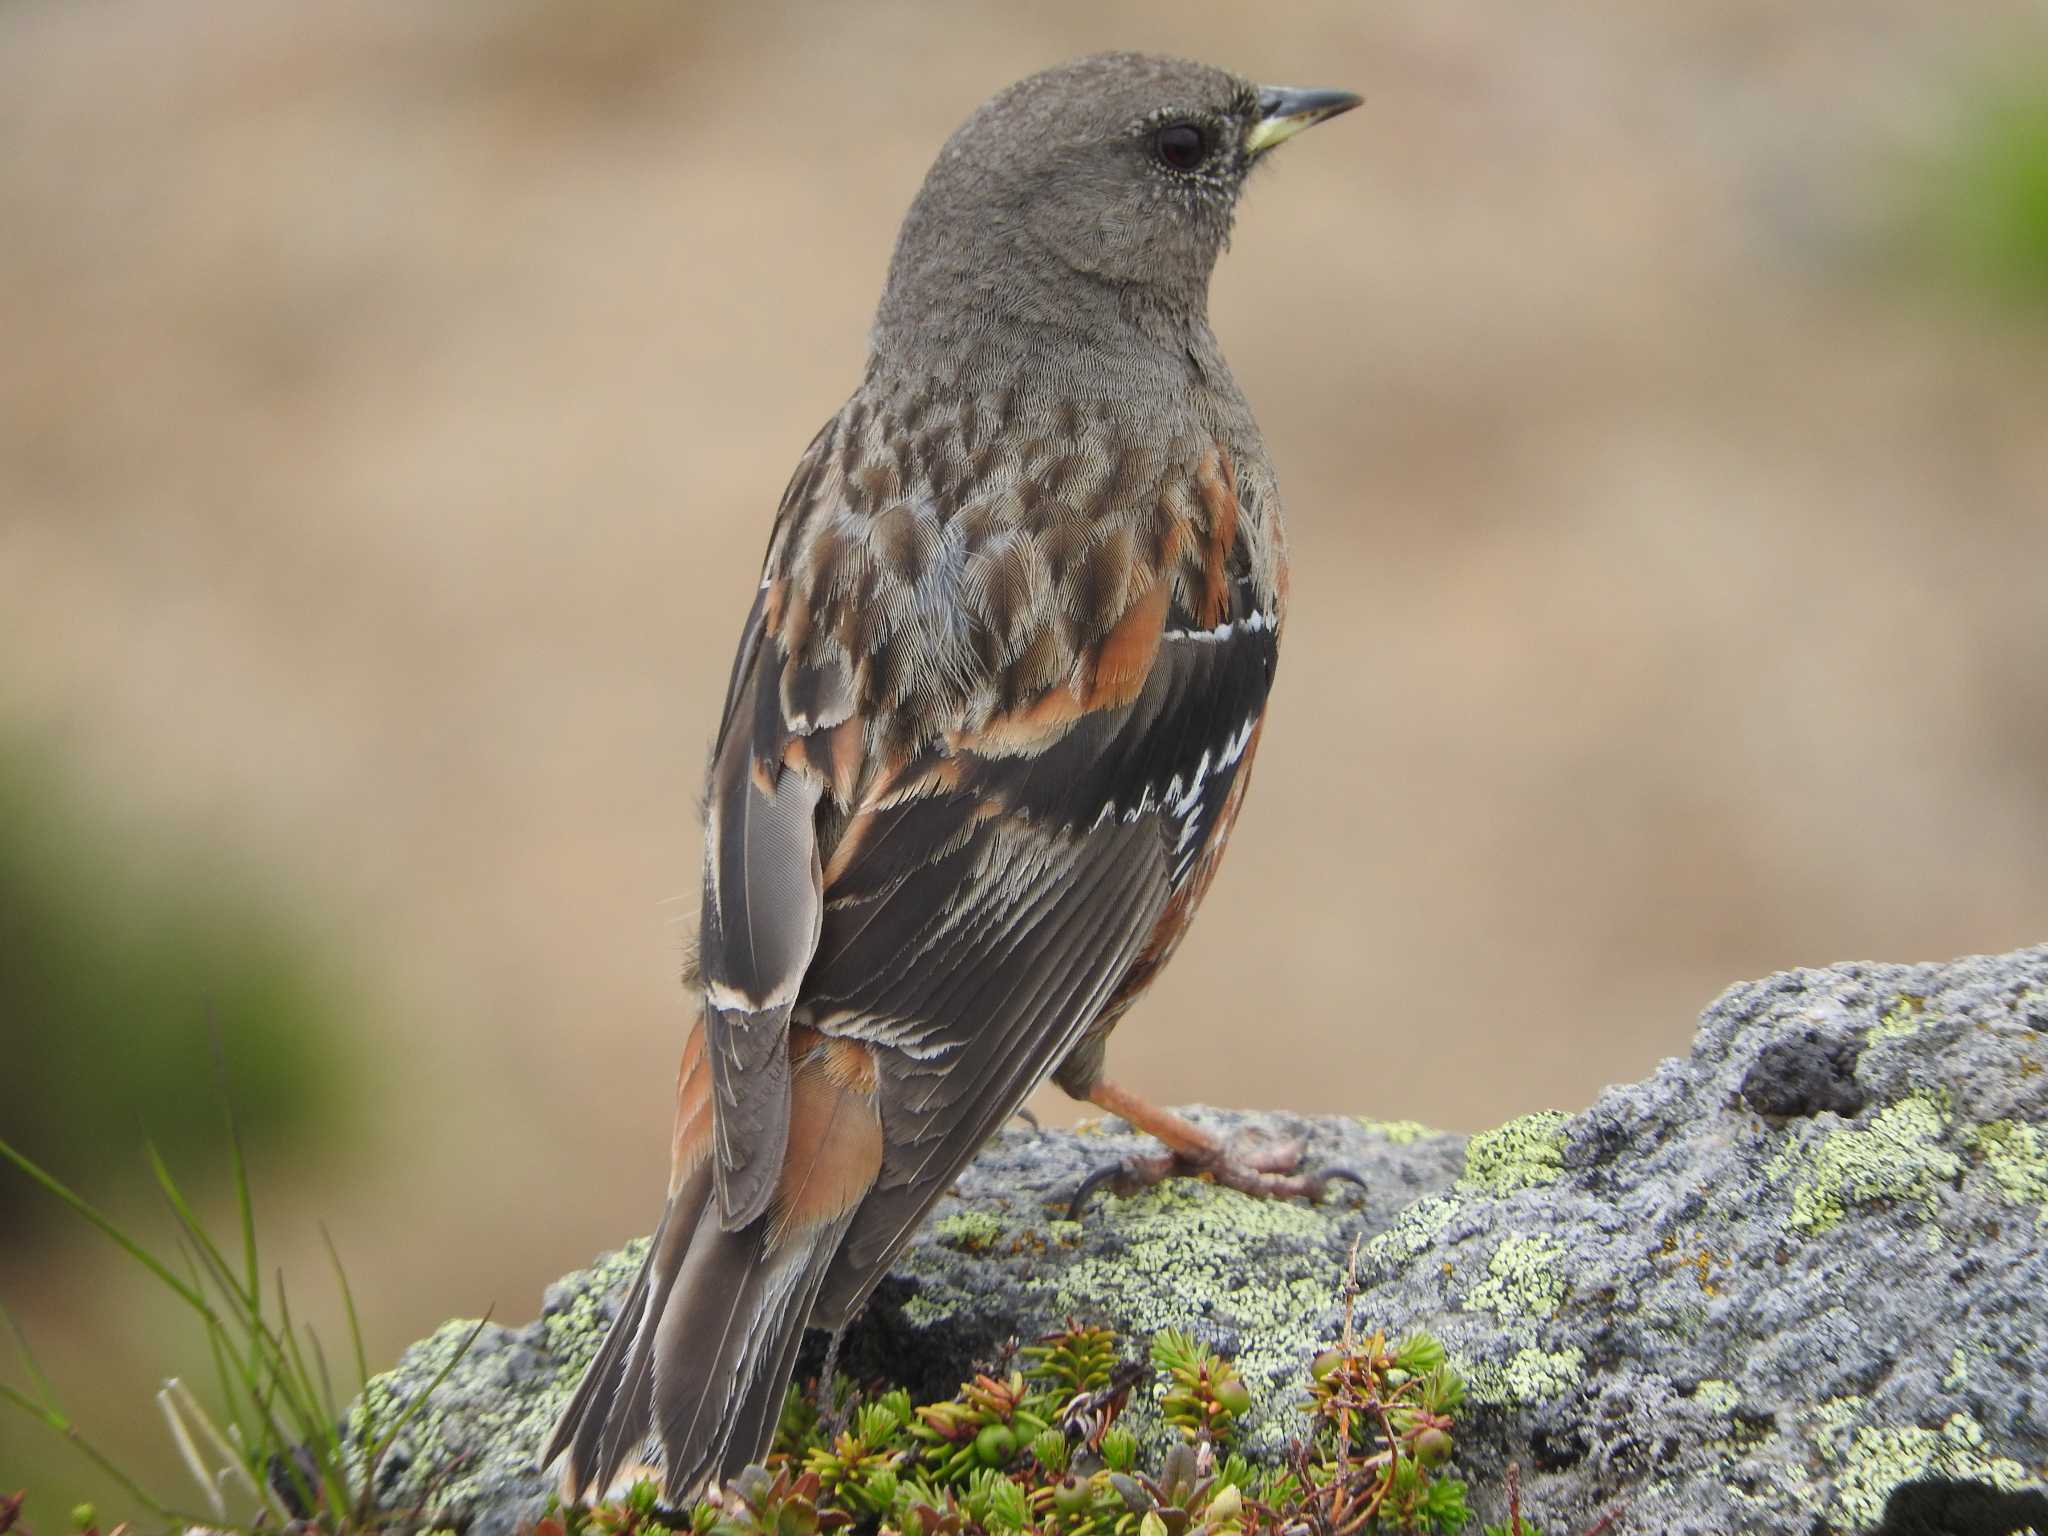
1090, 200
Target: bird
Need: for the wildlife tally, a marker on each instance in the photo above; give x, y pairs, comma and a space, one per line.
990, 722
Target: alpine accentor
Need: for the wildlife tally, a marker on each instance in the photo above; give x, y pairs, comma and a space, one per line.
991, 720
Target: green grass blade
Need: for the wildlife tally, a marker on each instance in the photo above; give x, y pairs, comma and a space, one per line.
93, 1216
251, 1270
44, 1390
54, 1420
348, 1302
230, 1377
213, 1261
326, 1380
300, 1387
268, 1356
317, 1431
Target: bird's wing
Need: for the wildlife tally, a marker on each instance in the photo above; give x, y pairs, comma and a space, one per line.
970, 759
975, 927
763, 901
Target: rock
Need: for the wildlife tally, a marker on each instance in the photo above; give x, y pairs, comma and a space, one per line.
1798, 1270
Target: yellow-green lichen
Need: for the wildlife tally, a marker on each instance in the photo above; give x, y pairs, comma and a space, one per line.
1401, 1133
970, 1230
1522, 1280
1899, 1157
1412, 1232
1523, 1154
1191, 1253
1959, 1359
1533, 1375
515, 1419
2016, 1154
1878, 1460
924, 1311
574, 1333
1717, 1396
1901, 1019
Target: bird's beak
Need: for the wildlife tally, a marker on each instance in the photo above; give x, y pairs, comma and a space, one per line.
1285, 110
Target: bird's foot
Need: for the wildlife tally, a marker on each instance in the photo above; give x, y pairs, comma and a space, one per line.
1268, 1169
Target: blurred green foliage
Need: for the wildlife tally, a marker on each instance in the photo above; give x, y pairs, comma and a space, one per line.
116, 980
1990, 207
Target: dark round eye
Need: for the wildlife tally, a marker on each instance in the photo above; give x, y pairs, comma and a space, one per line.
1181, 146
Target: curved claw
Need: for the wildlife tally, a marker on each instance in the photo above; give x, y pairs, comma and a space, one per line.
1339, 1171
1101, 1178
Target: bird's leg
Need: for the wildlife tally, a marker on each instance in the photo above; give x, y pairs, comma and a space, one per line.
1270, 1169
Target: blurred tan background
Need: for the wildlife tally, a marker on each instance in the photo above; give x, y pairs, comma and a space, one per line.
393, 399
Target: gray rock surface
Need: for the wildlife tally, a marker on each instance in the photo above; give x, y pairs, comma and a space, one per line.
1756, 1292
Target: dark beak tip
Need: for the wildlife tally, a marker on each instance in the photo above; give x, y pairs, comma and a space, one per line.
1286, 101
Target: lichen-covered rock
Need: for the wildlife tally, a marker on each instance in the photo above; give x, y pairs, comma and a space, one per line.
1758, 1292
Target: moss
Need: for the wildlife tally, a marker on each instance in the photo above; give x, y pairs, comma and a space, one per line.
1522, 1280
970, 1231
1523, 1154
1898, 1157
2017, 1155
1186, 1259
1532, 1375
1878, 1460
1400, 1133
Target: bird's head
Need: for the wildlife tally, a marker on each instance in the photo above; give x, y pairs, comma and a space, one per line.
1121, 170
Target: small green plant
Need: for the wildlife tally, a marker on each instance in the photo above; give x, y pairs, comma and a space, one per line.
1204, 1394
1383, 1433
1078, 1359
274, 1452
1040, 1449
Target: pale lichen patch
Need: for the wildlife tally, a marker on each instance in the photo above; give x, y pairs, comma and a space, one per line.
1193, 1253
1400, 1133
2016, 1154
1522, 1279
1898, 1157
969, 1230
1717, 1396
1412, 1233
1903, 1018
1531, 1375
1879, 1459
1526, 1153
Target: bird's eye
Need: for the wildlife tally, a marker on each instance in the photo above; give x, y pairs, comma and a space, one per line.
1180, 146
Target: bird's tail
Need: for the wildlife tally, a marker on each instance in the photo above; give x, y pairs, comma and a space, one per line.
701, 1351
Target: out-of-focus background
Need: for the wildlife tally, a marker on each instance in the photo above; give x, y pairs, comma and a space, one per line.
393, 399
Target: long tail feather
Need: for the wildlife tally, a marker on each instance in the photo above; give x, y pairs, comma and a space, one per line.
610, 1416
726, 1346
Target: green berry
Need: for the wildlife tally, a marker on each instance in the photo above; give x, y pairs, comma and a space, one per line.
1071, 1496
995, 1445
